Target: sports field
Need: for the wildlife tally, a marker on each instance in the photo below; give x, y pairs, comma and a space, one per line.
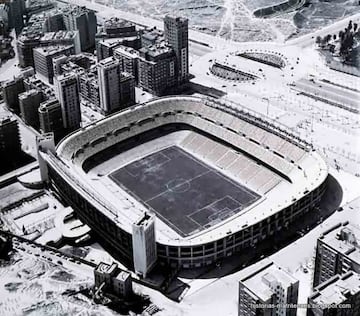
185, 193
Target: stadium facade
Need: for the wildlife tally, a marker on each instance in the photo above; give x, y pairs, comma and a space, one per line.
219, 178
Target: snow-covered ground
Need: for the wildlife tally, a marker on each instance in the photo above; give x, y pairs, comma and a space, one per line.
234, 19
33, 285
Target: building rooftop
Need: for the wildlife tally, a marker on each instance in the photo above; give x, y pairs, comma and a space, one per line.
177, 18
345, 239
106, 268
111, 42
123, 276
259, 278
6, 120
59, 35
145, 219
127, 51
153, 34
157, 50
28, 93
337, 289
115, 22
51, 50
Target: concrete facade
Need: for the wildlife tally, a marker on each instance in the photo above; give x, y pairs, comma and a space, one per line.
144, 244
337, 252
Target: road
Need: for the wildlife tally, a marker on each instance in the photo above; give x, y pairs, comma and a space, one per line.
330, 92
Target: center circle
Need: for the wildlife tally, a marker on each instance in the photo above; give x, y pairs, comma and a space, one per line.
178, 185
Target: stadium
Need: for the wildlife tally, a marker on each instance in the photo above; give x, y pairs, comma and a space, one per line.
218, 177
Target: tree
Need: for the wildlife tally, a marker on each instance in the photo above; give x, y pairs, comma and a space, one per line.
341, 35
355, 27
334, 37
318, 40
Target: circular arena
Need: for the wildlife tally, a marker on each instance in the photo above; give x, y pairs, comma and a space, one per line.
219, 178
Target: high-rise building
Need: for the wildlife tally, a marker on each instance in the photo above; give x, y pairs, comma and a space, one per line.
117, 89
144, 244
54, 22
30, 39
62, 38
89, 88
265, 289
11, 90
16, 12
25, 44
338, 296
29, 105
50, 117
105, 48
128, 59
337, 252
32, 82
67, 89
10, 145
83, 20
44, 143
43, 59
157, 69
176, 34
115, 27
151, 37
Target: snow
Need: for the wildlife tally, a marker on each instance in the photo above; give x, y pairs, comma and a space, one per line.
333, 131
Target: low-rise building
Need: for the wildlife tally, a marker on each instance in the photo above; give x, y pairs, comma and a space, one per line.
110, 279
